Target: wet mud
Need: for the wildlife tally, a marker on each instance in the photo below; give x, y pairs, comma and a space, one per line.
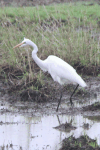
67, 127
45, 100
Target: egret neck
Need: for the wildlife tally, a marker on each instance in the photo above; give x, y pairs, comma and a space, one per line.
38, 61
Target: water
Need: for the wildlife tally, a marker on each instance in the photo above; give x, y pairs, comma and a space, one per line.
79, 103
22, 129
37, 133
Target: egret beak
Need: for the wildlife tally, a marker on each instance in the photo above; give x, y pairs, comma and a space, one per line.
18, 45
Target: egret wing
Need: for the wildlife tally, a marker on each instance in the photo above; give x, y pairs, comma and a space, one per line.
59, 69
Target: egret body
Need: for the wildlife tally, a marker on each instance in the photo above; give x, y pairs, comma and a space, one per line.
59, 70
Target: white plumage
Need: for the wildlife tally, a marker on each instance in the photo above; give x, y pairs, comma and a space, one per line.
59, 70
62, 72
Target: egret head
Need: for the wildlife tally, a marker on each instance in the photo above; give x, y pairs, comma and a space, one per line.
25, 42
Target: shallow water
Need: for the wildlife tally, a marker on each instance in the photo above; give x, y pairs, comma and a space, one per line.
79, 103
37, 133
26, 126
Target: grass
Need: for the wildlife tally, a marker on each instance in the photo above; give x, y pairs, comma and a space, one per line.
68, 30
60, 11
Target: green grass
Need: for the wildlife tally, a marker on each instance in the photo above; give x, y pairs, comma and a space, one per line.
59, 11
68, 30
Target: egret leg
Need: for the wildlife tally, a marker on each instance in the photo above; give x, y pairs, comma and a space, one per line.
70, 97
59, 99
73, 94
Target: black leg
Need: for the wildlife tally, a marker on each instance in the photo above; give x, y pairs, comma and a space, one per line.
70, 97
59, 99
73, 94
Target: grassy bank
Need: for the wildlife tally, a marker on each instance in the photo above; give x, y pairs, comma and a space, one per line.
70, 31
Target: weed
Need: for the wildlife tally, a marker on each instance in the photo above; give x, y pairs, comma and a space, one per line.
83, 142
93, 144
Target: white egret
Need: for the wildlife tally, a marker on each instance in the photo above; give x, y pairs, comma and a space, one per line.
59, 70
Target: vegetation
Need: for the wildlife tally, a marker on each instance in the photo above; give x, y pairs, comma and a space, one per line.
83, 142
68, 30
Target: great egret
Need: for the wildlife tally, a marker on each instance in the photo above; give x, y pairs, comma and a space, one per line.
59, 70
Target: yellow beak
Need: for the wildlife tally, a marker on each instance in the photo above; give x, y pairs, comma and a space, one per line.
18, 45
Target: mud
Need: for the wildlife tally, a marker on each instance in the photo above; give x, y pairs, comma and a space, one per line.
66, 127
47, 98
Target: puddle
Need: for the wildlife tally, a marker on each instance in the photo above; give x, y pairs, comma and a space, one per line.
37, 133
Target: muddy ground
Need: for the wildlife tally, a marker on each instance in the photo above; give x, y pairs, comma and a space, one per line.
47, 104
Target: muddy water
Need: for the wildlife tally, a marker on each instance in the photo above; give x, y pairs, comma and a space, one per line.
31, 126
37, 133
28, 132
